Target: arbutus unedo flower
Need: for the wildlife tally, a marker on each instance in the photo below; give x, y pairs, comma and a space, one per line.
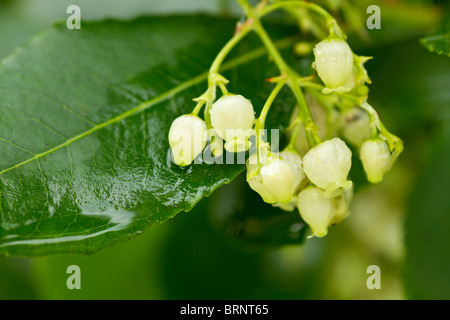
327, 166
187, 138
316, 209
334, 63
376, 159
277, 177
232, 116
311, 173
355, 126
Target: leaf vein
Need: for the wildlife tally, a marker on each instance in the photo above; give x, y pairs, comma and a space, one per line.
249, 56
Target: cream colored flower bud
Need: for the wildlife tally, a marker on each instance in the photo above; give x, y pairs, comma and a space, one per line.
327, 165
232, 117
334, 63
376, 159
316, 210
187, 138
278, 178
355, 124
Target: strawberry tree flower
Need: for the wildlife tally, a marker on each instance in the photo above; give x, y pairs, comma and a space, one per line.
341, 207
187, 138
277, 177
376, 159
232, 117
295, 161
327, 166
316, 209
355, 126
334, 63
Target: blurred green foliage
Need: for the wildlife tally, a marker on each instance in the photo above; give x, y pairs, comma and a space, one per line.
187, 258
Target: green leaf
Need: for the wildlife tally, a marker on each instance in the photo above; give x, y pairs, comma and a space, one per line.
440, 41
84, 122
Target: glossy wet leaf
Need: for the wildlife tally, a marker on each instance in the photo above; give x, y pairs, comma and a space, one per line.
84, 122
440, 41
183, 259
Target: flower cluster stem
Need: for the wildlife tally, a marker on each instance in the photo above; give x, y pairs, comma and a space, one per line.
291, 76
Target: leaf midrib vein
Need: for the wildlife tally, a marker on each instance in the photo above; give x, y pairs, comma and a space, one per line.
249, 56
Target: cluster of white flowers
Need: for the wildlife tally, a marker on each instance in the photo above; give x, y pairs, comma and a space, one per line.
318, 184
342, 71
315, 183
232, 119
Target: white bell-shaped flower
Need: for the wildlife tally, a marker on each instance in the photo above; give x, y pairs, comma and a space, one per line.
355, 124
376, 159
277, 178
334, 63
327, 166
232, 117
316, 210
187, 138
